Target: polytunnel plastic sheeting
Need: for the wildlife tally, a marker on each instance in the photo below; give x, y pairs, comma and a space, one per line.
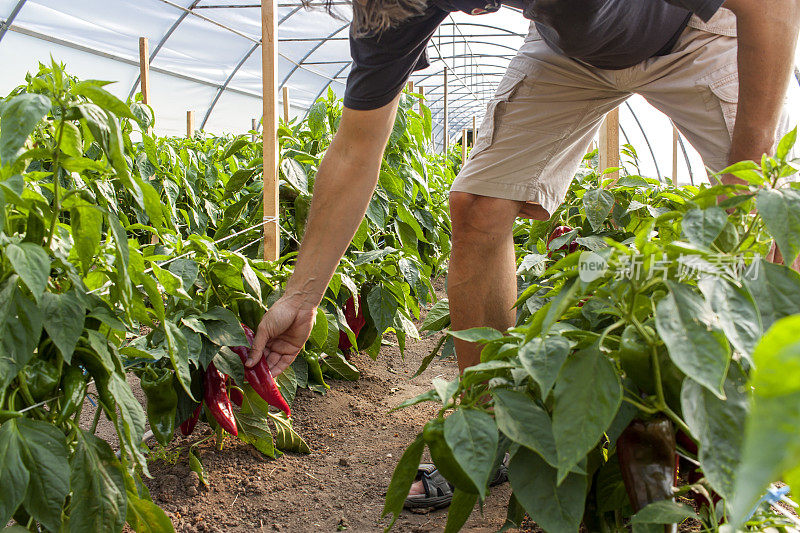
206, 57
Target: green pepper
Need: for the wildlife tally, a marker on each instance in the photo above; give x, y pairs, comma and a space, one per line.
636, 360
73, 385
42, 377
442, 455
162, 403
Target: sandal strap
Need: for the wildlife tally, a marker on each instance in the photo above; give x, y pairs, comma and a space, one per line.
433, 481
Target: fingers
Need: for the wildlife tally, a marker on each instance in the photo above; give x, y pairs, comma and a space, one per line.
259, 343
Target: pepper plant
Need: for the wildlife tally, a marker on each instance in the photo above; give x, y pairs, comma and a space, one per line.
666, 321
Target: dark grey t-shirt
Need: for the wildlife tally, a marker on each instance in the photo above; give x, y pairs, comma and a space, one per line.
608, 34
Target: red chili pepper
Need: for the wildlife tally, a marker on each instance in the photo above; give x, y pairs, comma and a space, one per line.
558, 232
355, 321
260, 378
188, 425
216, 397
236, 396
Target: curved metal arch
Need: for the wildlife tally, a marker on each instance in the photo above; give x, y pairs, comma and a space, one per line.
311, 51
504, 30
227, 82
10, 20
646, 140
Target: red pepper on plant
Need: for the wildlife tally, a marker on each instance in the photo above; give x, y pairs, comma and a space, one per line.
355, 321
216, 398
558, 232
187, 426
259, 377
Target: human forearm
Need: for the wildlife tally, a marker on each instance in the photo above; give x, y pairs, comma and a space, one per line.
767, 37
344, 185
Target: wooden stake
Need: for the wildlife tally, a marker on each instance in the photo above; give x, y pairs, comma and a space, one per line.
446, 135
269, 71
421, 92
189, 124
463, 146
285, 104
609, 143
474, 129
675, 135
253, 128
144, 69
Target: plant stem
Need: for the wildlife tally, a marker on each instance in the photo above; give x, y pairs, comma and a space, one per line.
642, 407
96, 417
56, 184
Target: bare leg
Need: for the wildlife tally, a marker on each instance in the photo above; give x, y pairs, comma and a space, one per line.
481, 282
774, 256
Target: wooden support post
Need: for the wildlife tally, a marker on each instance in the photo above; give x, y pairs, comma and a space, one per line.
144, 69
285, 104
410, 86
609, 143
421, 92
269, 71
445, 124
675, 135
189, 124
253, 128
463, 146
474, 129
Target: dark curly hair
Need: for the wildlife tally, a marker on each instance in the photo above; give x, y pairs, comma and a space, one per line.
373, 16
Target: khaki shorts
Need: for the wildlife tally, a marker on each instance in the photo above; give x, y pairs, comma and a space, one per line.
548, 108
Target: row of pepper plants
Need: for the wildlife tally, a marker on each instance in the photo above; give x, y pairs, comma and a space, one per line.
649, 322
126, 254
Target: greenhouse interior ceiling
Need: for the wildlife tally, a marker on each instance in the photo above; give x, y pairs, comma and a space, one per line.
205, 56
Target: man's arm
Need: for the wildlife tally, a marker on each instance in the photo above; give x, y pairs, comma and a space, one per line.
767, 33
343, 188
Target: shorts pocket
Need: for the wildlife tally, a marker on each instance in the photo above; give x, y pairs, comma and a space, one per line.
505, 89
727, 93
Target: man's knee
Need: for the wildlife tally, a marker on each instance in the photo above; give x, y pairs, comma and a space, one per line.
473, 216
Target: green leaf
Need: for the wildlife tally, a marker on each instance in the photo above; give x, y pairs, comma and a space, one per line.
587, 397
472, 435
477, 334
438, 317
718, 425
774, 289
130, 410
402, 478
65, 317
319, 333
44, 454
186, 269
197, 467
780, 209
525, 423
152, 204
337, 367
87, 225
598, 204
736, 311
554, 507
543, 358
771, 447
71, 139
173, 285
295, 174
286, 438
223, 328
99, 499
20, 329
786, 144
179, 355
382, 306
103, 98
238, 180
32, 264
19, 117
703, 226
693, 337
13, 474
235, 147
459, 511
253, 429
663, 512
146, 517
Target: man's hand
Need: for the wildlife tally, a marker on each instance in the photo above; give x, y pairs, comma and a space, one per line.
282, 333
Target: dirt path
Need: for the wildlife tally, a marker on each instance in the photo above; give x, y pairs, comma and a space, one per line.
355, 442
